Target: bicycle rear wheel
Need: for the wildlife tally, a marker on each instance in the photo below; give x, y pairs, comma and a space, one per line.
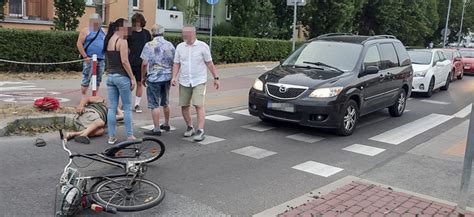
147, 151
125, 196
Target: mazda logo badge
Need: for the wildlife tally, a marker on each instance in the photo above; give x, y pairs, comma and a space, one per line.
283, 89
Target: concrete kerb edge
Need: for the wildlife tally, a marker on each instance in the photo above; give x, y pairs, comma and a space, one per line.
66, 119
274, 211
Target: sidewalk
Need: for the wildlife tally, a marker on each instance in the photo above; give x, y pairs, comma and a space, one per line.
361, 199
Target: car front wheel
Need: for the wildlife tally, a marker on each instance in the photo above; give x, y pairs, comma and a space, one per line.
349, 118
398, 108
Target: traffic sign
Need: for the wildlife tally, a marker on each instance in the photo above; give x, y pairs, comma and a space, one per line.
212, 2
447, 33
298, 2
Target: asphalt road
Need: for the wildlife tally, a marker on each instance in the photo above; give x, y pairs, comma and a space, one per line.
286, 160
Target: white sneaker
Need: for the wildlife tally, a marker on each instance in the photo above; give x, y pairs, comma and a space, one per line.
189, 132
138, 109
199, 136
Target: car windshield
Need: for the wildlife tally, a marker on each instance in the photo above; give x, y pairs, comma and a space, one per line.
420, 57
449, 55
467, 53
337, 55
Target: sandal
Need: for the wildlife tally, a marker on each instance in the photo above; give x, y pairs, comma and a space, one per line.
40, 142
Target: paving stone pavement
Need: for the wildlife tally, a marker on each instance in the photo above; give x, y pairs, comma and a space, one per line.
359, 199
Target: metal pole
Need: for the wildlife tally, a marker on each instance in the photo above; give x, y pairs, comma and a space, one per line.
467, 168
294, 24
94, 75
130, 10
462, 19
212, 25
446, 26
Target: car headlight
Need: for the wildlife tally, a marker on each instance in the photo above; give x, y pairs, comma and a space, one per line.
258, 85
326, 92
420, 73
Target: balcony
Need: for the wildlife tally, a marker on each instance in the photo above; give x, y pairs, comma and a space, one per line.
171, 20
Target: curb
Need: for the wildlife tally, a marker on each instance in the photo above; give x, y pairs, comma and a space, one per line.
279, 209
65, 119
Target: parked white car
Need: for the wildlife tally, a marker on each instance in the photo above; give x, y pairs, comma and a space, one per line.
432, 70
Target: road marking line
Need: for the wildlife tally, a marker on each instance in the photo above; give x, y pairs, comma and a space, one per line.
364, 149
151, 127
464, 112
305, 138
207, 141
22, 88
318, 168
400, 134
435, 102
258, 127
254, 152
242, 112
218, 118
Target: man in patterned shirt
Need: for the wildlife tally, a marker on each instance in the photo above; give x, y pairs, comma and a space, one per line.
157, 65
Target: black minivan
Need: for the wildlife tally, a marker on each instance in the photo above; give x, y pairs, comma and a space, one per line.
332, 80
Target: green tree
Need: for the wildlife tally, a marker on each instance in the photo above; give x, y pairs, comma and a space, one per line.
254, 18
67, 13
191, 11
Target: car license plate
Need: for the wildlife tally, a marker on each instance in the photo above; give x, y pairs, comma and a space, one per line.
467, 67
286, 107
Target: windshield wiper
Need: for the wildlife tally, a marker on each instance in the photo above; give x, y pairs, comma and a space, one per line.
324, 65
305, 67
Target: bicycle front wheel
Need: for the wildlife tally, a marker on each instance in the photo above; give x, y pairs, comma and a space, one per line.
127, 194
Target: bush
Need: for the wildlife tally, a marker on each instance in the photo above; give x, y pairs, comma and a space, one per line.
38, 46
223, 29
58, 46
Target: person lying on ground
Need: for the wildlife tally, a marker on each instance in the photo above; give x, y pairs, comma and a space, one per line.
91, 119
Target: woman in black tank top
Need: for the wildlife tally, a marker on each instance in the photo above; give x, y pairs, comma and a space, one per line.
120, 81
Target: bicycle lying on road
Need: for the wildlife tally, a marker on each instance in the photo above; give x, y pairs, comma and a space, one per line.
125, 192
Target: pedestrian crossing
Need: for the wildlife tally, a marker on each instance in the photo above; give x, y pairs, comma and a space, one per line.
394, 136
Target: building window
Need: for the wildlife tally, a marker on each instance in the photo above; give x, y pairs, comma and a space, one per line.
162, 4
136, 4
16, 8
228, 13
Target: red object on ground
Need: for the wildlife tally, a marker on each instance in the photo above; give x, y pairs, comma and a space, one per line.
363, 199
47, 103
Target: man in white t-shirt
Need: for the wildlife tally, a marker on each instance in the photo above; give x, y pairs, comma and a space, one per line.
191, 62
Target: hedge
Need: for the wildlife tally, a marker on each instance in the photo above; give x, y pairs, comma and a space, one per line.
57, 46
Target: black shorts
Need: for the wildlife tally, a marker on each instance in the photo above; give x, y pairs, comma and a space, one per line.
137, 72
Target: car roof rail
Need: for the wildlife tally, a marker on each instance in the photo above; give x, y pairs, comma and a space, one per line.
381, 37
334, 34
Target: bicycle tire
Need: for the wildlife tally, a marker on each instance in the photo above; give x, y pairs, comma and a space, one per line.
155, 154
96, 189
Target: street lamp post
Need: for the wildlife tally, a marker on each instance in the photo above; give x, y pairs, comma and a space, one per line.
130, 10
446, 26
462, 19
294, 25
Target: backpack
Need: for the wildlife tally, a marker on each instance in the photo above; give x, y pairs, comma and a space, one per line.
47, 103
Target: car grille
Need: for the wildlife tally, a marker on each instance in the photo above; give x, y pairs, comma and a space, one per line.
285, 91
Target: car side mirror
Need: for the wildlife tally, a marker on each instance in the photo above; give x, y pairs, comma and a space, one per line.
371, 70
439, 63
